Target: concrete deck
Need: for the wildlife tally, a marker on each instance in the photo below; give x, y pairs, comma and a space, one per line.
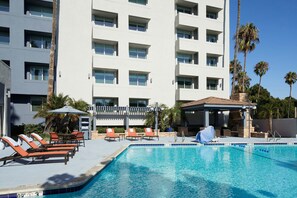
22, 176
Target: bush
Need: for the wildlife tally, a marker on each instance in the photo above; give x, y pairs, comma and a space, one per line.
33, 128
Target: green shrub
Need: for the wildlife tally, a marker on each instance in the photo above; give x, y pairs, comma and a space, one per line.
33, 128
119, 129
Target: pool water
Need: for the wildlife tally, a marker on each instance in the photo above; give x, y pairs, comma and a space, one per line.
197, 171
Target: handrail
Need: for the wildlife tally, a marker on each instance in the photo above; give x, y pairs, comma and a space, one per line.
273, 136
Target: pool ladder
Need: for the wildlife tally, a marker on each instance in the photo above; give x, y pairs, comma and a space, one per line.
275, 136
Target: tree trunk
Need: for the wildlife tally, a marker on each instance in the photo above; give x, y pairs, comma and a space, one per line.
289, 108
244, 72
259, 88
236, 48
51, 72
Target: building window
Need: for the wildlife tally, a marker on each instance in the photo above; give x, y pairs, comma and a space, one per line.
4, 5
37, 39
184, 83
184, 58
7, 62
140, 53
142, 2
212, 84
141, 27
212, 38
106, 102
41, 9
138, 102
183, 9
104, 21
212, 61
36, 102
106, 77
36, 71
106, 49
137, 79
183, 34
4, 35
211, 15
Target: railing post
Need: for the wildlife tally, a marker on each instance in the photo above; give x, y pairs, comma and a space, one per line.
127, 117
156, 117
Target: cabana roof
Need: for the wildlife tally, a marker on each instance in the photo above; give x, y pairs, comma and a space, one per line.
214, 103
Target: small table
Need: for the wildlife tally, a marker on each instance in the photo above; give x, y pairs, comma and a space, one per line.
122, 136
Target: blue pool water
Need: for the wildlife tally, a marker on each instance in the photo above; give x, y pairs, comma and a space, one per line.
197, 171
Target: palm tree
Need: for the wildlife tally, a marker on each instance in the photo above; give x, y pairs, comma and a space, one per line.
248, 36
260, 69
236, 48
51, 71
291, 78
238, 69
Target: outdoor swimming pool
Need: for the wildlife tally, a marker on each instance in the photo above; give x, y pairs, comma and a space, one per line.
197, 171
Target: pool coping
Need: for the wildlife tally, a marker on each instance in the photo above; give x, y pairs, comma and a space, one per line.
81, 181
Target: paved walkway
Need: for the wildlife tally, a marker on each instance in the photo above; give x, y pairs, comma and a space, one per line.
21, 175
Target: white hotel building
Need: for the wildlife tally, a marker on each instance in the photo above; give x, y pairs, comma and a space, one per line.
139, 52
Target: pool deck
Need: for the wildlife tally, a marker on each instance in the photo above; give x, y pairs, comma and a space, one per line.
30, 178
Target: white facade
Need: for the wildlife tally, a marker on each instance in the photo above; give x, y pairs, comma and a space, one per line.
143, 50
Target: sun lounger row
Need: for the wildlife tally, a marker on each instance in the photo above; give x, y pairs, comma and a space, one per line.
43, 151
131, 134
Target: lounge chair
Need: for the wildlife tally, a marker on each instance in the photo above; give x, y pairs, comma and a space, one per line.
149, 133
78, 137
35, 147
131, 133
21, 153
110, 134
54, 137
45, 144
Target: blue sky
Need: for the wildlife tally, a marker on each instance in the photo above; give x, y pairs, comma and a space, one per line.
277, 23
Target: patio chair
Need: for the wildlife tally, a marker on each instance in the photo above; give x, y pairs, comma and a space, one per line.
131, 134
54, 137
149, 133
78, 137
110, 134
21, 153
35, 147
45, 144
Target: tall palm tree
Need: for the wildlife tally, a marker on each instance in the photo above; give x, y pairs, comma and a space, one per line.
248, 36
51, 69
290, 79
236, 48
260, 69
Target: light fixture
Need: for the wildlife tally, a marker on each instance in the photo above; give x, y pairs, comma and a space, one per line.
59, 73
89, 76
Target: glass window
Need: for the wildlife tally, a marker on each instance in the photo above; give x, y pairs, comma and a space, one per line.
106, 49
140, 53
36, 72
212, 84
212, 61
106, 101
104, 21
105, 77
137, 79
4, 5
138, 102
36, 103
142, 2
38, 41
184, 83
184, 58
212, 15
183, 9
141, 27
212, 38
41, 11
184, 34
4, 36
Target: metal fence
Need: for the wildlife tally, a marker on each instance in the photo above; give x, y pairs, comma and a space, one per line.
110, 110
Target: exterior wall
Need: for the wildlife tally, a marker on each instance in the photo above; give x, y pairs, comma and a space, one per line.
286, 127
4, 99
77, 59
18, 54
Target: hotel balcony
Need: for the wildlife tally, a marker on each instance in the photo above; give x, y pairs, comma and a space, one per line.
100, 61
183, 19
187, 45
186, 94
184, 69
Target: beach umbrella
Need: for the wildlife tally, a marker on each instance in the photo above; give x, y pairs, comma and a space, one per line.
68, 110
